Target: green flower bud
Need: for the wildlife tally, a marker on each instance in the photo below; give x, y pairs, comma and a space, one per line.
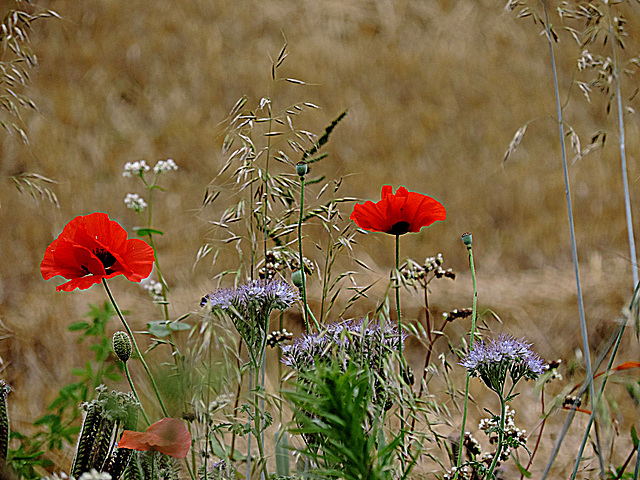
302, 168
296, 278
467, 239
122, 346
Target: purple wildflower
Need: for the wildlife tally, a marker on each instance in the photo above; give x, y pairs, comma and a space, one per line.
505, 354
361, 343
249, 307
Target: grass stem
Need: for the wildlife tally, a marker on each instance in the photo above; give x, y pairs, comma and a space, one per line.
574, 249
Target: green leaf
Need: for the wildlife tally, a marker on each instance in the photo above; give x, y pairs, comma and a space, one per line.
75, 326
634, 436
523, 471
145, 232
178, 326
158, 328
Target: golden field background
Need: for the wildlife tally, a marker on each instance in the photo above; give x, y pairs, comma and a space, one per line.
435, 91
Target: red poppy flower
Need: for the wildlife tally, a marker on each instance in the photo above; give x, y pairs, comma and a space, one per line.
398, 213
168, 436
92, 247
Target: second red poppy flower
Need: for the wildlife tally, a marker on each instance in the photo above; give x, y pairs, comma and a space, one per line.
399, 213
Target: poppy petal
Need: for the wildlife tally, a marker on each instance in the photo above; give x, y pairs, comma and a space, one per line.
168, 436
138, 257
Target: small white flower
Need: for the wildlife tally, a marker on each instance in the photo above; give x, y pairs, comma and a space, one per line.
155, 290
95, 475
134, 169
135, 202
164, 166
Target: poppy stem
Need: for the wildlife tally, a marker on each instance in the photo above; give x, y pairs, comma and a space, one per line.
133, 389
403, 367
135, 346
398, 310
305, 315
467, 240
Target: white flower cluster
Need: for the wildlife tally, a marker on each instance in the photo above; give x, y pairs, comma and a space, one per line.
135, 202
134, 169
155, 290
164, 166
91, 475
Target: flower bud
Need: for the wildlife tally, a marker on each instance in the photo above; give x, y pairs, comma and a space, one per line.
302, 168
467, 239
296, 278
122, 346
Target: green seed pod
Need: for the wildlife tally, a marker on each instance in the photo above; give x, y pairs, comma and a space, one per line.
84, 449
467, 239
4, 421
122, 346
302, 168
296, 278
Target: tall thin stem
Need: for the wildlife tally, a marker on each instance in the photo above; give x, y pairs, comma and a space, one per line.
135, 346
496, 456
467, 239
623, 155
574, 249
403, 366
397, 288
302, 170
135, 393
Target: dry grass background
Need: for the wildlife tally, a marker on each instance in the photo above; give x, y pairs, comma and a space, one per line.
435, 91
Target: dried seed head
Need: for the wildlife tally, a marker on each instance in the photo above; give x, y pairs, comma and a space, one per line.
122, 346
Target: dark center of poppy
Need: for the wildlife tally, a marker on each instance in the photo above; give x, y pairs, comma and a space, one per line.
399, 228
105, 257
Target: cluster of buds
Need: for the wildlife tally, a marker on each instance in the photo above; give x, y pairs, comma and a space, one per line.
135, 169
278, 337
462, 473
457, 313
424, 273
512, 434
571, 401
275, 261
155, 291
135, 202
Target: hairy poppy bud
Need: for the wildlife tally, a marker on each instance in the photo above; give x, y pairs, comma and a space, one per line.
122, 346
302, 169
467, 239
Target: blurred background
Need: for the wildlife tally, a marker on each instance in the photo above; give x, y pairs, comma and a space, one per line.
435, 92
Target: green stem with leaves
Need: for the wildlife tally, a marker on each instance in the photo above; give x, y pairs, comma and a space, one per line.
135, 346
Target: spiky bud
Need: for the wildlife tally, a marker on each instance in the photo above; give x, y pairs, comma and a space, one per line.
122, 346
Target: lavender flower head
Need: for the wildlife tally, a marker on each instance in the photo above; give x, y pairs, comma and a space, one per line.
256, 298
502, 355
359, 341
249, 307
